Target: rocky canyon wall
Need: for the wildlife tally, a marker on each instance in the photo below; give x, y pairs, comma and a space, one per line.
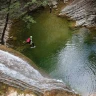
82, 11
3, 4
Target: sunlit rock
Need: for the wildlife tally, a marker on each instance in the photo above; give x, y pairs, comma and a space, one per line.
82, 11
18, 73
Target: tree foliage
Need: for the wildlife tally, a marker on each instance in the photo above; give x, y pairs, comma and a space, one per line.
19, 9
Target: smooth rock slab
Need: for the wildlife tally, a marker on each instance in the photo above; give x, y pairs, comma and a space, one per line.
82, 11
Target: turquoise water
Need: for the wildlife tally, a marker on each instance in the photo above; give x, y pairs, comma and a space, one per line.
68, 54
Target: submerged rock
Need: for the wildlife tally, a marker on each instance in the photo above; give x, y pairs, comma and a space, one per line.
82, 11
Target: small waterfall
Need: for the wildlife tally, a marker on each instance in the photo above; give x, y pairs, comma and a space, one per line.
18, 73
77, 63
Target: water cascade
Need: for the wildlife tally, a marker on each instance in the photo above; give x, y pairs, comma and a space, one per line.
77, 63
18, 73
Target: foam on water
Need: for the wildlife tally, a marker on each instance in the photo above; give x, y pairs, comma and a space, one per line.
74, 65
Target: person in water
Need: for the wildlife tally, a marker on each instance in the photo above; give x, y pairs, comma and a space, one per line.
29, 40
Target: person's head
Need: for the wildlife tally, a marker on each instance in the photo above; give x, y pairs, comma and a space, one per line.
30, 37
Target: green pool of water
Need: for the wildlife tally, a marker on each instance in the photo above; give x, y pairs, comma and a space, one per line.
50, 34
65, 53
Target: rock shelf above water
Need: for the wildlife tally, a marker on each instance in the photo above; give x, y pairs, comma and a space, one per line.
18, 73
82, 11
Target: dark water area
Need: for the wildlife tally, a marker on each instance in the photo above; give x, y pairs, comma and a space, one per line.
65, 53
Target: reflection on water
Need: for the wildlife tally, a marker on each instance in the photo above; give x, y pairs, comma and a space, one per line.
77, 63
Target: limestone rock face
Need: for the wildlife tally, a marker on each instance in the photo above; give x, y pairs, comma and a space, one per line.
82, 11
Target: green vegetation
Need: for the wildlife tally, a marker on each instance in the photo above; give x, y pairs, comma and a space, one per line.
19, 10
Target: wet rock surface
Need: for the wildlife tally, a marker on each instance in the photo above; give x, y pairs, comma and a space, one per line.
82, 11
3, 4
19, 74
